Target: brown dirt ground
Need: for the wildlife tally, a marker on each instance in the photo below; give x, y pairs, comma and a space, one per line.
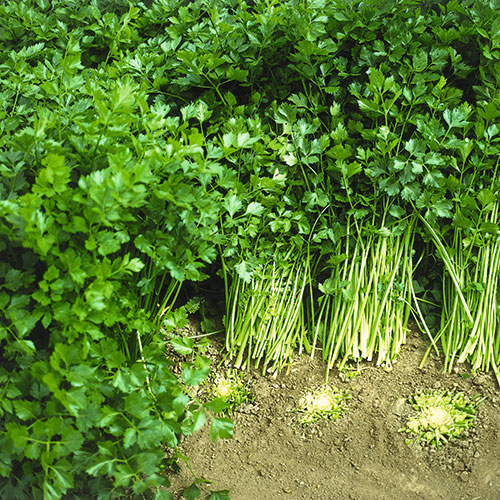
361, 456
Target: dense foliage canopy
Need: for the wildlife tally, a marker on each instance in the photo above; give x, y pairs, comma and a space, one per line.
334, 162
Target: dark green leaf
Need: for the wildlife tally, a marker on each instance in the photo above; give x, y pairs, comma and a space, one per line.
220, 495
191, 492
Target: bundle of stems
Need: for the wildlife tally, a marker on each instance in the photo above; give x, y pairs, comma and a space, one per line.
482, 347
162, 297
159, 293
265, 315
471, 307
365, 308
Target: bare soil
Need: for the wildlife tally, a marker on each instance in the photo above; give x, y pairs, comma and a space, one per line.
362, 455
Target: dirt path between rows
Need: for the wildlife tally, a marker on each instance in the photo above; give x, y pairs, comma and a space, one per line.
361, 456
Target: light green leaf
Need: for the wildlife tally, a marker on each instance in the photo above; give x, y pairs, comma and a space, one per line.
232, 204
203, 112
71, 439
244, 140
217, 405
366, 105
123, 97
163, 495
183, 345
222, 428
411, 192
129, 437
244, 271
135, 265
396, 211
199, 420
433, 179
442, 208
26, 410
147, 462
255, 208
456, 117
194, 376
420, 61
485, 197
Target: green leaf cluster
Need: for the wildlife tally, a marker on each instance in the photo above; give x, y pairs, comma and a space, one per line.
311, 153
107, 207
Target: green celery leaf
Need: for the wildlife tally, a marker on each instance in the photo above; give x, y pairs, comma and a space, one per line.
396, 211
194, 376
148, 462
442, 208
243, 272
221, 427
129, 437
163, 495
433, 179
232, 204
255, 208
191, 492
411, 192
485, 197
220, 495
199, 420
217, 405
183, 345
420, 61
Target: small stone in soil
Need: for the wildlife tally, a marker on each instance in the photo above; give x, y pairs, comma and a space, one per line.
398, 407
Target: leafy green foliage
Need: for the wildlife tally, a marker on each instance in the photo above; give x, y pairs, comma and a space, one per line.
294, 141
106, 209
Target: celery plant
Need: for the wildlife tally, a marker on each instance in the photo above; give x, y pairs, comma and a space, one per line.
364, 309
470, 246
469, 320
265, 316
482, 347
